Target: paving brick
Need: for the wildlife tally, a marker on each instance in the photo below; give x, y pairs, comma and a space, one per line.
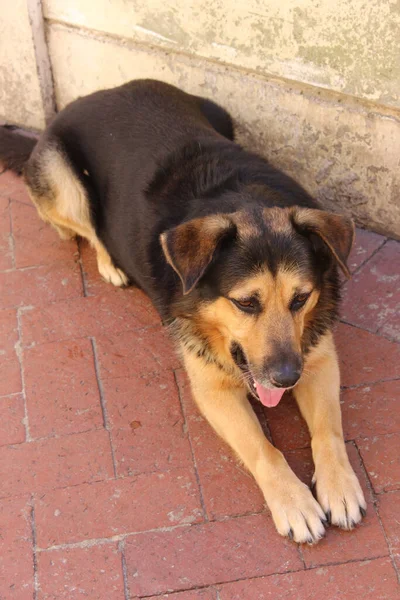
105, 509
12, 413
372, 298
12, 186
365, 541
61, 388
36, 242
158, 562
288, 429
365, 357
16, 550
147, 423
40, 285
55, 462
228, 489
371, 410
204, 594
75, 573
382, 460
84, 317
136, 352
388, 506
6, 255
10, 370
365, 244
370, 580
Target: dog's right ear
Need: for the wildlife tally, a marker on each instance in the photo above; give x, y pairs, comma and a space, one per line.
190, 247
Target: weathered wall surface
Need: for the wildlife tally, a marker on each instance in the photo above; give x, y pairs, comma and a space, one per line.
313, 86
20, 96
347, 46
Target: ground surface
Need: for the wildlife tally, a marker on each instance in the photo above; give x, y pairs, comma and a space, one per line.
111, 484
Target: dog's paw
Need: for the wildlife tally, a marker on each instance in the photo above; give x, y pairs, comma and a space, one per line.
339, 494
296, 513
111, 274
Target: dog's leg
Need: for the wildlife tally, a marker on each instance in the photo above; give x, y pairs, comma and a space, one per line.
295, 512
317, 393
106, 267
62, 200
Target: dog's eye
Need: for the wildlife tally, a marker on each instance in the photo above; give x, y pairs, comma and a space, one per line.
299, 301
248, 305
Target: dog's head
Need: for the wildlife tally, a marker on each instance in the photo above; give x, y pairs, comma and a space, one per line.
261, 285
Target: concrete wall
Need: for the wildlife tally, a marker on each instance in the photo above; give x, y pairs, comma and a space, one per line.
314, 86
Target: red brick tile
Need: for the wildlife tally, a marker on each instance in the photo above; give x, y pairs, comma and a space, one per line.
83, 317
371, 410
136, 352
382, 460
61, 388
365, 541
6, 255
218, 469
288, 428
12, 186
388, 507
16, 550
36, 242
228, 489
105, 509
12, 413
10, 370
147, 423
204, 594
200, 555
55, 462
301, 463
370, 580
75, 573
365, 357
40, 285
372, 298
149, 398
365, 244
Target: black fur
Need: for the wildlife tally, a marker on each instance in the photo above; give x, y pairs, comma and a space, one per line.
157, 157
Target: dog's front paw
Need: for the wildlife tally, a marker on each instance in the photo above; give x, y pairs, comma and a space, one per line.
295, 511
339, 494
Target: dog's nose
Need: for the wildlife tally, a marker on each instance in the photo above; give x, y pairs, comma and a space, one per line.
286, 374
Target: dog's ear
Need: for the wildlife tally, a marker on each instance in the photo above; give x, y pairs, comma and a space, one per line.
190, 247
336, 231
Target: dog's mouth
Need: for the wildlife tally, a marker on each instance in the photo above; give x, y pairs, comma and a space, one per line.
269, 397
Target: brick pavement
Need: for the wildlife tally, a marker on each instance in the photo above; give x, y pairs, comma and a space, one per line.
112, 485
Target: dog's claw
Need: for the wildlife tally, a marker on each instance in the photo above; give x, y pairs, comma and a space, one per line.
328, 515
290, 534
363, 511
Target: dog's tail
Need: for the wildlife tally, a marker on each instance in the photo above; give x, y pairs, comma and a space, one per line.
15, 148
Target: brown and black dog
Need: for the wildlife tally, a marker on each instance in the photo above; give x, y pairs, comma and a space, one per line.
234, 254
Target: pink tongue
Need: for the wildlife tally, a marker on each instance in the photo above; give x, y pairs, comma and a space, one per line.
269, 398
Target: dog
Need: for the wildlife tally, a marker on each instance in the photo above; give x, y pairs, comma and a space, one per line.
239, 260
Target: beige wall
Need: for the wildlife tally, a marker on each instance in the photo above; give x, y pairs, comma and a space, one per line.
20, 95
350, 46
314, 86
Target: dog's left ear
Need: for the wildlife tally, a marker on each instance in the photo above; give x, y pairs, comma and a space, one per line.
190, 247
336, 231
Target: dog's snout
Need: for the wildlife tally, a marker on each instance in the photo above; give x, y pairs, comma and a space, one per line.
286, 373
